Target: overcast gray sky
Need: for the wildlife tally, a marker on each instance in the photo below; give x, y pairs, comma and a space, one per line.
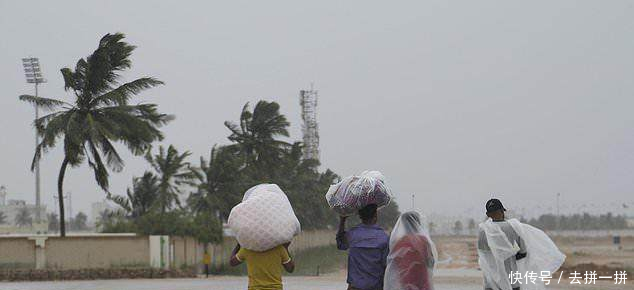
452, 101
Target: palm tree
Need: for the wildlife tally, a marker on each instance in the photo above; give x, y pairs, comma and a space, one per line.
79, 222
23, 218
305, 187
3, 218
257, 132
139, 200
173, 172
100, 115
109, 217
220, 183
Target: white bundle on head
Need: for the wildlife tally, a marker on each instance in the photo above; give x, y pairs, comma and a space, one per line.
264, 219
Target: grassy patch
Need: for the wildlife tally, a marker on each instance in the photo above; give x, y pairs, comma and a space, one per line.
11, 266
325, 259
580, 253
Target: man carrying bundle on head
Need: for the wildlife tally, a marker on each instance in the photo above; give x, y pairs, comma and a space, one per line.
367, 246
366, 243
264, 224
264, 268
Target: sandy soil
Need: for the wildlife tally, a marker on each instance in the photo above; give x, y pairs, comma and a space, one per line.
599, 251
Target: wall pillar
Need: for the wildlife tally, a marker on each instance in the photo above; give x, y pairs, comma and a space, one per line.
160, 252
40, 252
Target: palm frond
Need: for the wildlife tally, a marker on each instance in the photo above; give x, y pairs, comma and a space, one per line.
45, 103
75, 80
106, 61
121, 201
135, 126
101, 173
122, 94
99, 137
113, 158
53, 125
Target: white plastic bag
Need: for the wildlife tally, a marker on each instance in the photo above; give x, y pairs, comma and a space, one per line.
410, 263
264, 219
355, 192
541, 255
264, 187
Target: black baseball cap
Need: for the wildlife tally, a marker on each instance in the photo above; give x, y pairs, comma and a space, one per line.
494, 204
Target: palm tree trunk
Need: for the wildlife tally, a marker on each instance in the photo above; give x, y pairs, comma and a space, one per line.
60, 197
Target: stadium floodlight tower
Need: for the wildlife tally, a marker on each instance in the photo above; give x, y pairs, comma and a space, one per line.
310, 128
33, 75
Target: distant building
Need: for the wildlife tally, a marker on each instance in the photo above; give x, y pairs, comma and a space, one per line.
97, 208
11, 207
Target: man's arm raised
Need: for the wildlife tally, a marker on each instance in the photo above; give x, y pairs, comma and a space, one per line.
235, 261
289, 264
342, 240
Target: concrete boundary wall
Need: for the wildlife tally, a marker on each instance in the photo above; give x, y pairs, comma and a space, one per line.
74, 251
105, 251
17, 253
97, 252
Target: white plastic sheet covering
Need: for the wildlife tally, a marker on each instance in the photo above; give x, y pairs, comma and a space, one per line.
410, 263
264, 219
355, 192
541, 255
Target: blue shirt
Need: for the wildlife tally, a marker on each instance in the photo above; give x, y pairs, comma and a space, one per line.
367, 247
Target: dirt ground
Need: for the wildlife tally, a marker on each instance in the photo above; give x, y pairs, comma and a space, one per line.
458, 255
459, 252
598, 251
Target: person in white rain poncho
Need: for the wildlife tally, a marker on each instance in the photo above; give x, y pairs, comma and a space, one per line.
508, 251
410, 263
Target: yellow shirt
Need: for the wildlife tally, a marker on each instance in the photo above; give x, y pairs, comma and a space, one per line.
264, 268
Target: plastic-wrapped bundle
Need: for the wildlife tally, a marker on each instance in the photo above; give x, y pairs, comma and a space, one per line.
410, 264
264, 219
355, 192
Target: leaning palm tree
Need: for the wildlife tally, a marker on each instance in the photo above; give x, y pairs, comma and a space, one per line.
257, 131
99, 116
23, 218
173, 173
138, 200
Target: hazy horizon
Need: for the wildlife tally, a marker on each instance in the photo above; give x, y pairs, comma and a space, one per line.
451, 101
